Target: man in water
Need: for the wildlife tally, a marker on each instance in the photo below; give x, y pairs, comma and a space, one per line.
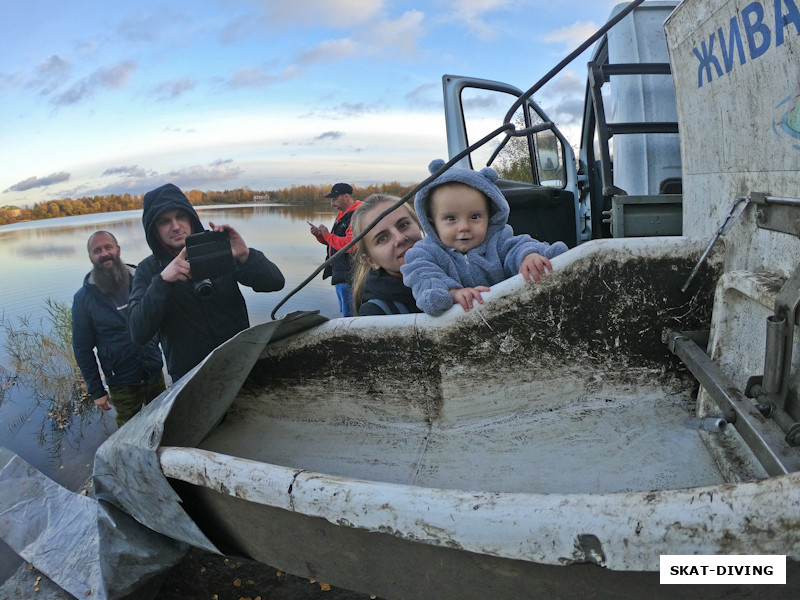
341, 196
165, 299
133, 373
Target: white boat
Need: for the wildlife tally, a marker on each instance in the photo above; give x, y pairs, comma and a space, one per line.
554, 441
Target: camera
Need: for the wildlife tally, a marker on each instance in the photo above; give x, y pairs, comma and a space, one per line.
209, 254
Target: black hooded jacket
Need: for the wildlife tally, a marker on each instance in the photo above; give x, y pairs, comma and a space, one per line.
190, 326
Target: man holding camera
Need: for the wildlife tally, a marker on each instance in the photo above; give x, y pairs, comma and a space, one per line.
191, 317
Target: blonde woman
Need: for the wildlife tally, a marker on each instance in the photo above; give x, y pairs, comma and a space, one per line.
378, 287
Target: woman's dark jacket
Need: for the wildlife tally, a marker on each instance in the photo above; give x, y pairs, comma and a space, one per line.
101, 321
386, 295
190, 326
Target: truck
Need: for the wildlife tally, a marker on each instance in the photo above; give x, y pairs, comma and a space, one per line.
625, 178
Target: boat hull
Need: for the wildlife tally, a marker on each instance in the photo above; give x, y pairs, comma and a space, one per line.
388, 566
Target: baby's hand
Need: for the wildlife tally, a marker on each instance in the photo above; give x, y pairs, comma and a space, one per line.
535, 266
465, 296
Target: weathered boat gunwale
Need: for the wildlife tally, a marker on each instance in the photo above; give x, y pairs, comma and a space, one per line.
636, 527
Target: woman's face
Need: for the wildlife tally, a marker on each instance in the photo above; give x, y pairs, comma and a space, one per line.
386, 243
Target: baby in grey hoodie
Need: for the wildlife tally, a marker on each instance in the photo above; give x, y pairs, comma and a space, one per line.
469, 244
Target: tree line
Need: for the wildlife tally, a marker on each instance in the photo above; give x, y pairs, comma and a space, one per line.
310, 195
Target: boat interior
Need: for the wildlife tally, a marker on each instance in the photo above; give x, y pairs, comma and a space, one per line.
565, 387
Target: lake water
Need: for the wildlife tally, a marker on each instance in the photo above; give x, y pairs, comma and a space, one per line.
48, 259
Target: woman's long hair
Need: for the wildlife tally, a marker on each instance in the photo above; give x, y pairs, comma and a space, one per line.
358, 223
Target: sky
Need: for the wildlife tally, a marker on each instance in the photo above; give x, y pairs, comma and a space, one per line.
101, 97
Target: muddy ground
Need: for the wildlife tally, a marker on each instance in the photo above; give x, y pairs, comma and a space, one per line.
199, 576
205, 576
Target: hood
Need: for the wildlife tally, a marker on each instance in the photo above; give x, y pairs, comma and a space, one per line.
157, 201
483, 181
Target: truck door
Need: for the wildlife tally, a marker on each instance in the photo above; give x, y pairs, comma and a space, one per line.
537, 172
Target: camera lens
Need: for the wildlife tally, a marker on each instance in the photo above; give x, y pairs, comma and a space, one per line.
203, 288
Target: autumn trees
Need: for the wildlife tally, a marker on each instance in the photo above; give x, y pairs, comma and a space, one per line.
300, 194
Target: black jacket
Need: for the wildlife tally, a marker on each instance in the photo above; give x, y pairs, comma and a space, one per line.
101, 321
386, 295
190, 326
339, 270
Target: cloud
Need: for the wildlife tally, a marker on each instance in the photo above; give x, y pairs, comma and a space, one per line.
35, 182
150, 28
573, 36
385, 36
49, 74
329, 135
563, 99
179, 130
169, 90
9, 81
427, 95
196, 174
329, 50
103, 78
568, 83
137, 180
262, 76
315, 13
132, 171
473, 13
240, 28
352, 109
398, 36
54, 66
373, 35
482, 101
255, 77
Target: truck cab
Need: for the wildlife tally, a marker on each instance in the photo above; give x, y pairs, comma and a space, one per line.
626, 179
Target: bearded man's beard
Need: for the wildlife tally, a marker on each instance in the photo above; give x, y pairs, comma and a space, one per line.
111, 279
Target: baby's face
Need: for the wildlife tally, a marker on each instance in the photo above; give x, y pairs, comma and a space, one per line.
460, 215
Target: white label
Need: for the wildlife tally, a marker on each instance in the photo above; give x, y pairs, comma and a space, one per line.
715, 569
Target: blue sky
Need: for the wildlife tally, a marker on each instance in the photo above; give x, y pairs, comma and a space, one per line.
105, 97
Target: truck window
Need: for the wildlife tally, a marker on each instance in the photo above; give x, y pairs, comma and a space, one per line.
480, 108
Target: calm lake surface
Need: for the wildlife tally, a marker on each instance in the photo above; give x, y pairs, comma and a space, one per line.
48, 259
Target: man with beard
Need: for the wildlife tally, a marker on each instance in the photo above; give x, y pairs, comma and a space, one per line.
100, 320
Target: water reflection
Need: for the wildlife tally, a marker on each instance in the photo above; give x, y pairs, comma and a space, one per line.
39, 253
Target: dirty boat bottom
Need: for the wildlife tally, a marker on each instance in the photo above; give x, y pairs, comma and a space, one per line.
615, 441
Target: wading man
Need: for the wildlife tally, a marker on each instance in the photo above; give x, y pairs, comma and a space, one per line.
100, 320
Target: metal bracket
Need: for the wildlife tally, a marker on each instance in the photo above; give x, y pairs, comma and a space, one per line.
777, 214
763, 438
739, 204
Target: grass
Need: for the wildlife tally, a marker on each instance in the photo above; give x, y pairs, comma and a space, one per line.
41, 360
